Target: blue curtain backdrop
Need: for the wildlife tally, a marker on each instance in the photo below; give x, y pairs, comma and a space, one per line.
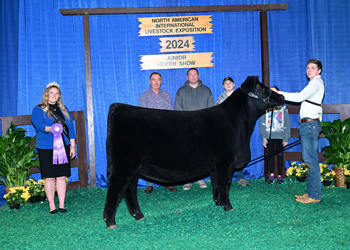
39, 45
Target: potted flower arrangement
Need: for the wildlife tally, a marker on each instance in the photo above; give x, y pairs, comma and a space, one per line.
17, 196
327, 175
347, 175
17, 157
298, 170
36, 190
338, 151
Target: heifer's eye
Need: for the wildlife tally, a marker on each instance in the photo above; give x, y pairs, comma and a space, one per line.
259, 88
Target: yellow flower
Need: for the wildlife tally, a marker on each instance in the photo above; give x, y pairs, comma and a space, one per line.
25, 196
290, 171
5, 196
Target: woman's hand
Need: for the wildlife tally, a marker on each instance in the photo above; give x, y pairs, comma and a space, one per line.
48, 129
72, 152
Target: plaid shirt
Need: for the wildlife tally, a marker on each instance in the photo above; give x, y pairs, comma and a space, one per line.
162, 100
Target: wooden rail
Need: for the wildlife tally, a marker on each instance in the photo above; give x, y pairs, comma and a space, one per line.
342, 109
79, 162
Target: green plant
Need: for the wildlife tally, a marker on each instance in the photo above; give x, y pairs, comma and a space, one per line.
338, 135
297, 170
326, 173
17, 195
17, 156
36, 187
347, 173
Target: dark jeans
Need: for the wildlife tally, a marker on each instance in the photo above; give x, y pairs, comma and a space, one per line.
240, 175
275, 145
309, 132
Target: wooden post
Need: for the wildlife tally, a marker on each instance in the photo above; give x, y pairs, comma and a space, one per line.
89, 99
264, 49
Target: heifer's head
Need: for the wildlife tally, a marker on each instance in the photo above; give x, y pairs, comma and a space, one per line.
257, 90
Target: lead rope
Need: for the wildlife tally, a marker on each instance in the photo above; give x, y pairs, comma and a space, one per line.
260, 158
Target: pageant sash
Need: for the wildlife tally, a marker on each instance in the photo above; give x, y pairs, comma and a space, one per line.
59, 152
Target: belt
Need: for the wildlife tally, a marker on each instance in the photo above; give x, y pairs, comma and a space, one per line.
309, 120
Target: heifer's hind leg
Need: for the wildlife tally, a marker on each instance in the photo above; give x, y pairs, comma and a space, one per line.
215, 188
112, 200
131, 200
118, 182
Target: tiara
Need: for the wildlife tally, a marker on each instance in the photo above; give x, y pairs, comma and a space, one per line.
53, 84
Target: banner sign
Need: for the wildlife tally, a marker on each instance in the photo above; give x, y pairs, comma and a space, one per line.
177, 25
176, 44
176, 61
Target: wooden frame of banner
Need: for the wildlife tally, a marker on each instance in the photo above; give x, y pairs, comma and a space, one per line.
263, 8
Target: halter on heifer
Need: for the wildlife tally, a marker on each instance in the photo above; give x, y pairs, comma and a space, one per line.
257, 97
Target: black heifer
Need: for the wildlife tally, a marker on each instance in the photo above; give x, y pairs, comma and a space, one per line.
179, 146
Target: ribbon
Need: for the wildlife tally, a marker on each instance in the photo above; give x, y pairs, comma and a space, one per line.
59, 152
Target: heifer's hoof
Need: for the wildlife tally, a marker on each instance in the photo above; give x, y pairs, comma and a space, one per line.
112, 227
227, 208
138, 216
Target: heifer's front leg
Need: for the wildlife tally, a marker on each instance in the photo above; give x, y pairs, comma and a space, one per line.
131, 200
224, 200
223, 187
112, 200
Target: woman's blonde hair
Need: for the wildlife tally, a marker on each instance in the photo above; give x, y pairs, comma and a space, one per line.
45, 100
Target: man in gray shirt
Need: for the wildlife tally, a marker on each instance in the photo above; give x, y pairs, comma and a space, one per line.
194, 95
